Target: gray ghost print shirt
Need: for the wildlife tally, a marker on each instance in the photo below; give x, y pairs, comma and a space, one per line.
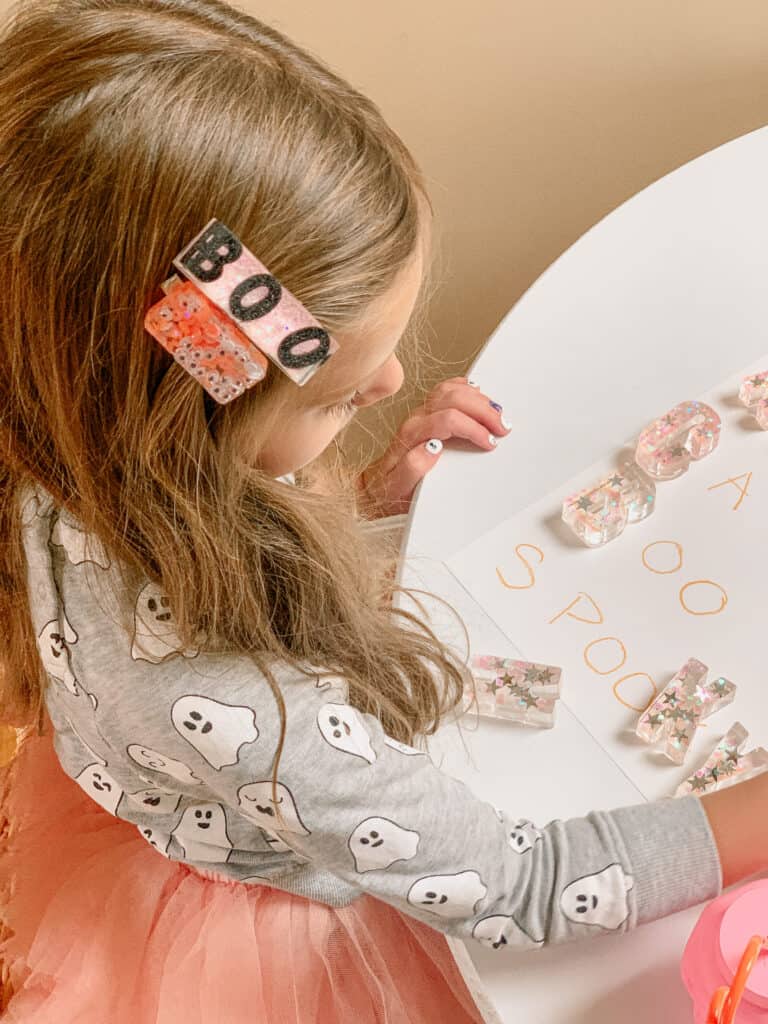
180, 744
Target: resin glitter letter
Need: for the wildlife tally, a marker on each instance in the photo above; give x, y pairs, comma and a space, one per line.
666, 448
726, 764
754, 394
519, 691
600, 512
676, 713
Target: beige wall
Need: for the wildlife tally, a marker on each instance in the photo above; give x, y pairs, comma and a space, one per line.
534, 118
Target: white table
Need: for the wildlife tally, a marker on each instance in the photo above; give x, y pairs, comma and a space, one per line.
658, 302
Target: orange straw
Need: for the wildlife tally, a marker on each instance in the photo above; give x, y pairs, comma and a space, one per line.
725, 1001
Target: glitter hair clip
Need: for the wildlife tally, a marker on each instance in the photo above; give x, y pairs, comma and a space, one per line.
219, 332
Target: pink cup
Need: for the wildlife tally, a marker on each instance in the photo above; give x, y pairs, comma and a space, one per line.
716, 945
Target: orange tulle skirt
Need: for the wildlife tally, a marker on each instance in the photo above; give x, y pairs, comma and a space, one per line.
97, 928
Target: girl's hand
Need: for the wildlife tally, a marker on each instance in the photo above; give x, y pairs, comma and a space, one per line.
455, 408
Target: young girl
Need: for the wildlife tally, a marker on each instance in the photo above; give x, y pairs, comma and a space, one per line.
224, 813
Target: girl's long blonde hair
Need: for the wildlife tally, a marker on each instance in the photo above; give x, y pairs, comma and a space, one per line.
125, 125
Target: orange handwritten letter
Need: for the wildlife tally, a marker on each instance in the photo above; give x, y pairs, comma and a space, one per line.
640, 707
723, 598
572, 615
527, 564
604, 640
661, 560
743, 491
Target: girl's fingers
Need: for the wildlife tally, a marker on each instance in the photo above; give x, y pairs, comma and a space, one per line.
443, 425
401, 482
471, 401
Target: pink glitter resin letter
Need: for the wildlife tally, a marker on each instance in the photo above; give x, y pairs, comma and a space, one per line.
754, 394
726, 765
519, 691
600, 512
667, 447
677, 711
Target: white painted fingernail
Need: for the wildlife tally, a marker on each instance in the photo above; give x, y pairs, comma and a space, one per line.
434, 446
492, 439
507, 426
472, 383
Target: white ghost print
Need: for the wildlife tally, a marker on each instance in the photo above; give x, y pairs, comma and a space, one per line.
160, 840
599, 899
448, 895
379, 842
215, 730
403, 747
99, 784
149, 758
79, 545
342, 727
499, 931
256, 803
523, 835
154, 633
154, 800
202, 832
53, 645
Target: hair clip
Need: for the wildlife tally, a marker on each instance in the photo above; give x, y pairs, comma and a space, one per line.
676, 713
214, 326
754, 394
520, 691
204, 341
599, 513
726, 764
685, 434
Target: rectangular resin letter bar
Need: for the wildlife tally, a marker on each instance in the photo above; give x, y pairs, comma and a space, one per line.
518, 691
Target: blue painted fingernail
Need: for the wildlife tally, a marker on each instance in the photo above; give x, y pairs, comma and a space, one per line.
434, 446
496, 406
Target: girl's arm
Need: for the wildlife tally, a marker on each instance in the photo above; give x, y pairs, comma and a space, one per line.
739, 823
380, 817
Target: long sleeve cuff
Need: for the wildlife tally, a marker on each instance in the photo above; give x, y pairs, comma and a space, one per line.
674, 858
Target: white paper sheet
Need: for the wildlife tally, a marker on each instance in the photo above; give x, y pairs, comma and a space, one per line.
690, 581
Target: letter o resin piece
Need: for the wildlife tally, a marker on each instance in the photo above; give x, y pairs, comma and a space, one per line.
599, 513
685, 434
